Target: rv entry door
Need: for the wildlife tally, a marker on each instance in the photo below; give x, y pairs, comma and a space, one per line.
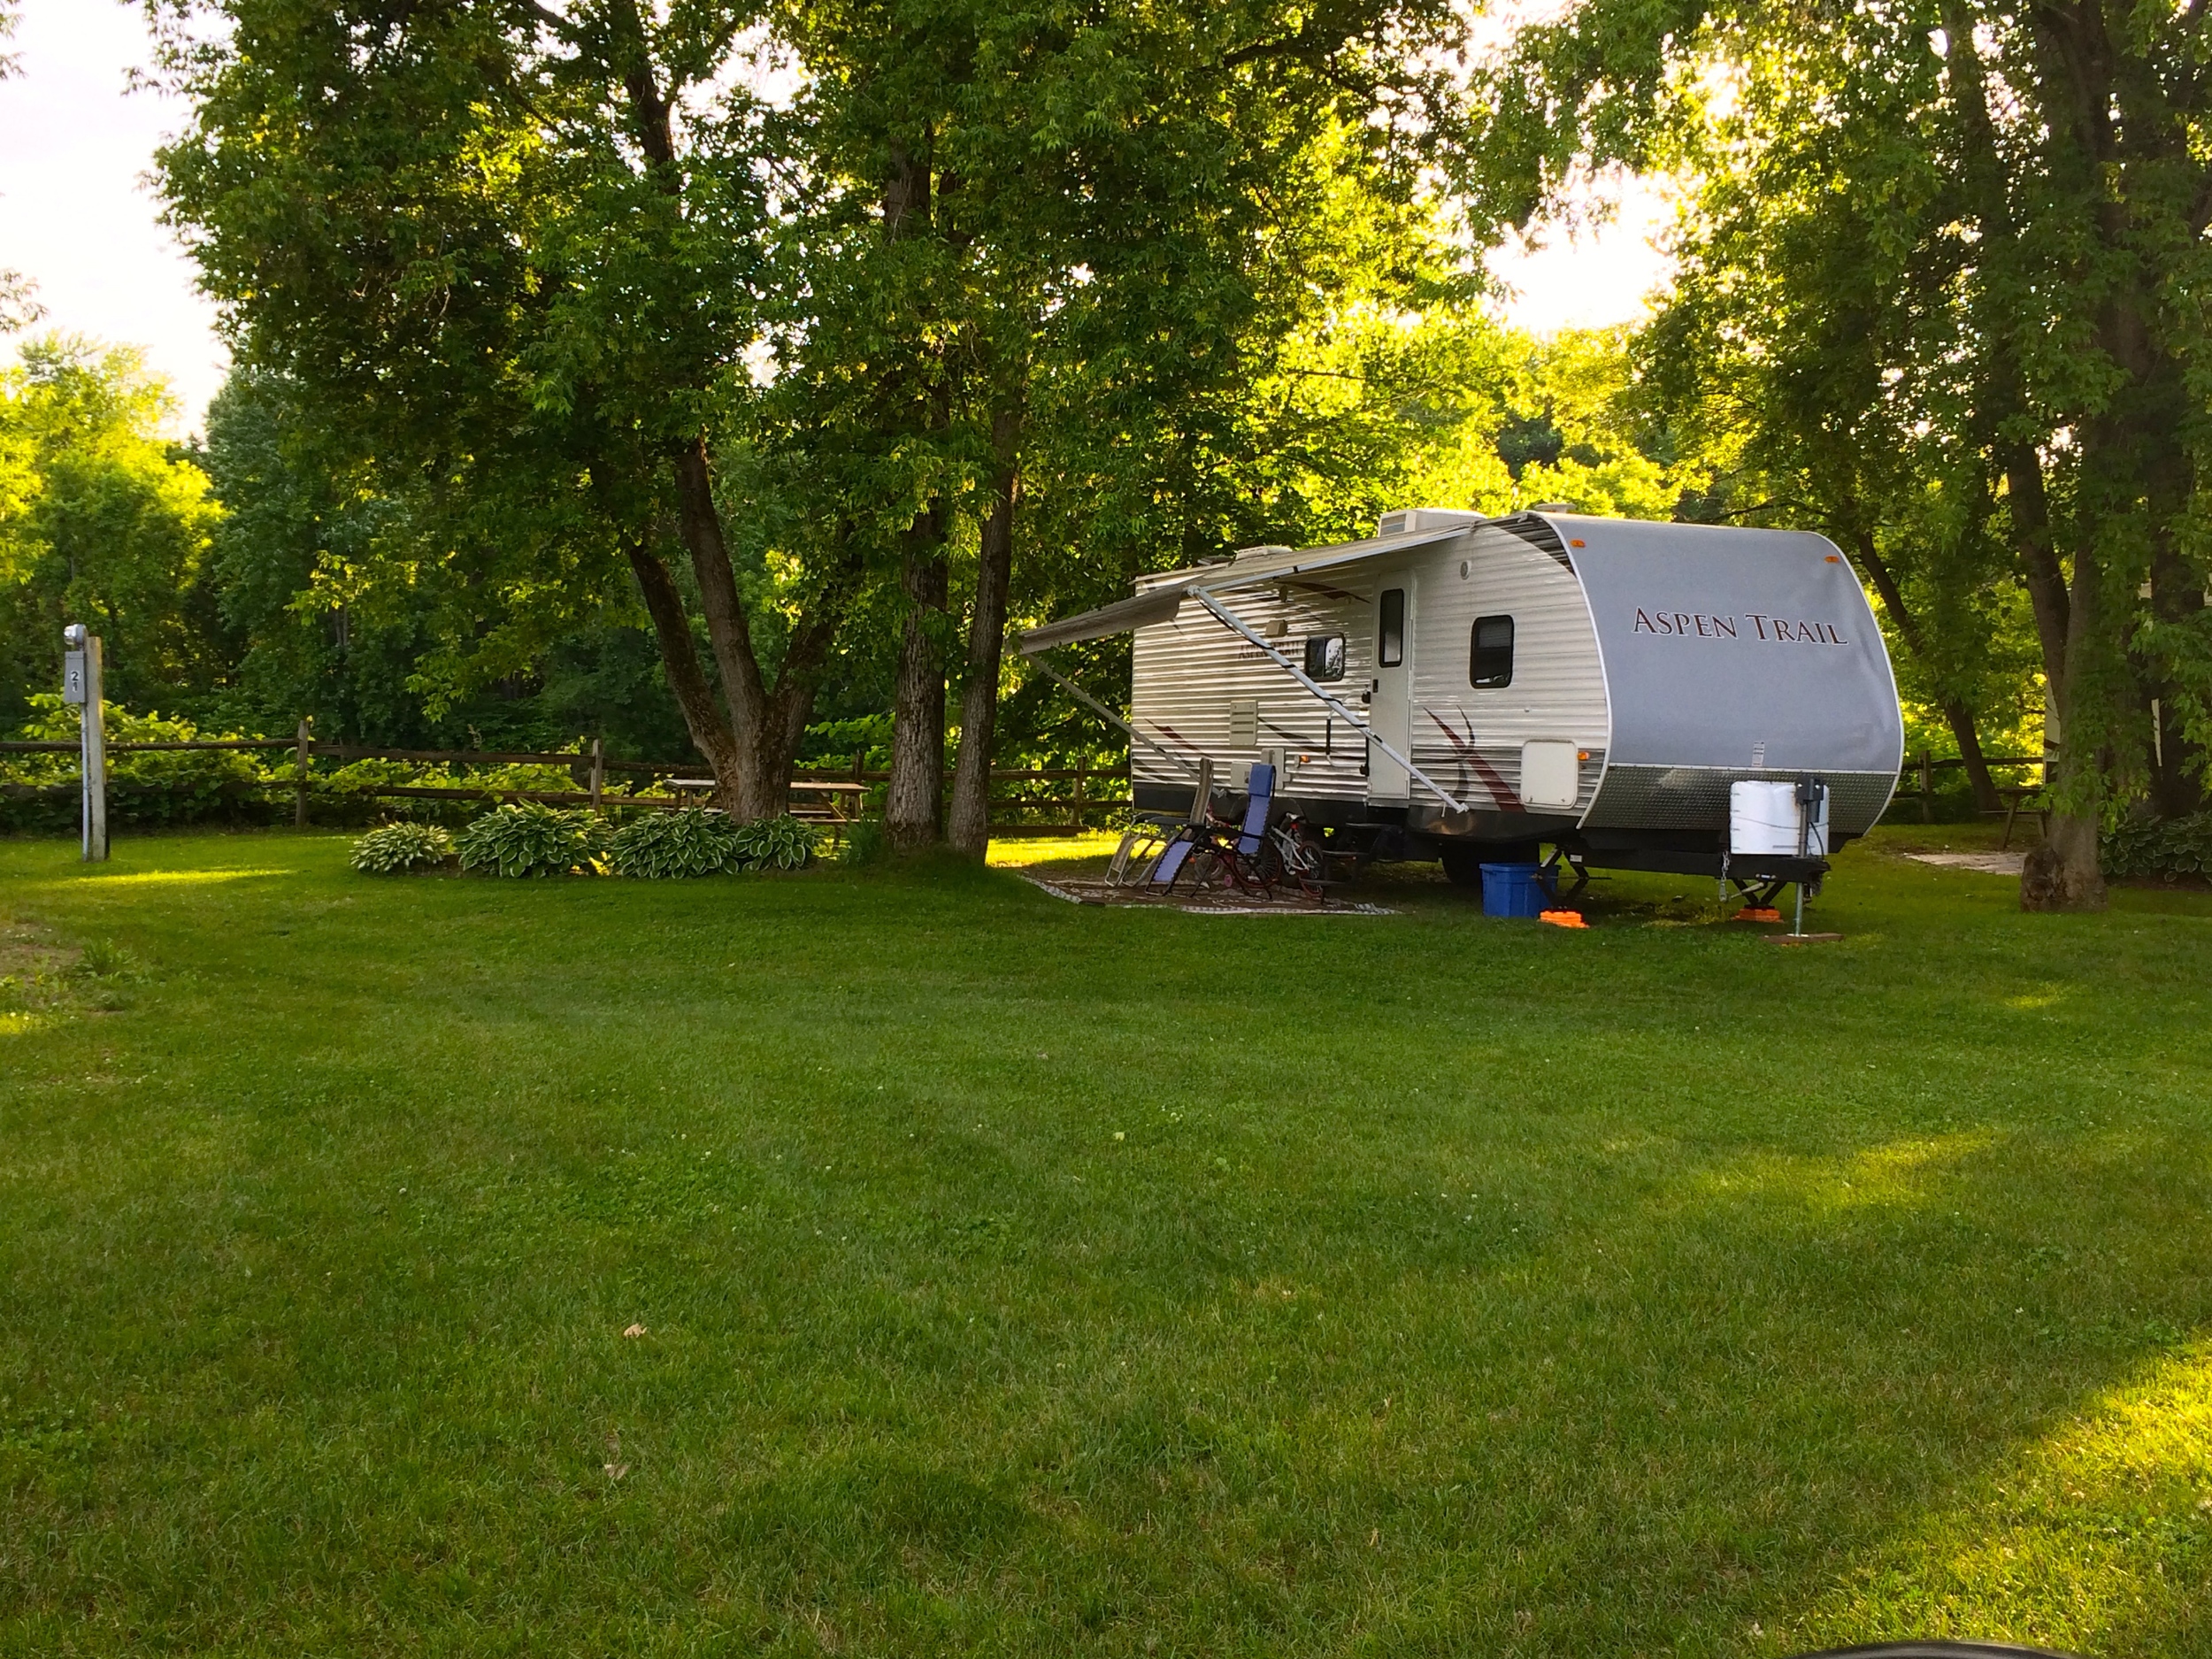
1390, 706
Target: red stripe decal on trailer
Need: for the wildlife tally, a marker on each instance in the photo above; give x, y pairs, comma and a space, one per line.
1502, 796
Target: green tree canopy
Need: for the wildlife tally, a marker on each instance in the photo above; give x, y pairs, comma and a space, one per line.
101, 522
592, 303
1945, 260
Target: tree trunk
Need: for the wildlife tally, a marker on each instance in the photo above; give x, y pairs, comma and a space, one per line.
1970, 741
2060, 872
2177, 603
1954, 710
751, 750
2001, 397
2064, 872
914, 802
970, 830
710, 733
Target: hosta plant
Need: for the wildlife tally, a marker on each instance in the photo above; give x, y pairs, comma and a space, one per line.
2159, 846
696, 841
531, 839
776, 843
393, 849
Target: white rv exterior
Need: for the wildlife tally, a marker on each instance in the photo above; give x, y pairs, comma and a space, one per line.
1594, 683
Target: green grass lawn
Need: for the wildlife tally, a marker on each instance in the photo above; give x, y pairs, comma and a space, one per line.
1018, 1277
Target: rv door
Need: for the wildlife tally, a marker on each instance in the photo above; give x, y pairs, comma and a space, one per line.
1390, 709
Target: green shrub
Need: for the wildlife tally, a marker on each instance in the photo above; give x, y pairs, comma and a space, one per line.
2139, 846
530, 840
393, 849
865, 842
162, 789
696, 841
776, 843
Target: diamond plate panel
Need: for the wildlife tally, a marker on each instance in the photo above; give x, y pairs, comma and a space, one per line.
1696, 797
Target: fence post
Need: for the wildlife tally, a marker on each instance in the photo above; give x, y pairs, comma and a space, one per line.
1081, 775
1927, 789
299, 777
598, 773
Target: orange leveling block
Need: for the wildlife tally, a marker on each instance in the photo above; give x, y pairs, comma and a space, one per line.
1561, 919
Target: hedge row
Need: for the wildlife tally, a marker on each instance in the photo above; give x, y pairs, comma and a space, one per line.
530, 840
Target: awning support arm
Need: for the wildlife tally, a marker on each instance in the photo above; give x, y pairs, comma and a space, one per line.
1234, 624
1105, 713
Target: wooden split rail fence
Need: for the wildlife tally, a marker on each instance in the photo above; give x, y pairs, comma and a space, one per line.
838, 796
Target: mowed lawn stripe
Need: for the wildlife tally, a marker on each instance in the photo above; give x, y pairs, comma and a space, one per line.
1018, 1276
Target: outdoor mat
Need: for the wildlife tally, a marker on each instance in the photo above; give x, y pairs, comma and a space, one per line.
1203, 902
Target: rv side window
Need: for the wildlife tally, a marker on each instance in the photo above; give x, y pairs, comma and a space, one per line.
1325, 656
1390, 629
1490, 659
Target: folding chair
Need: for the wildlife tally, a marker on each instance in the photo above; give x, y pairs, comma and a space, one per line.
1241, 857
1236, 857
1146, 846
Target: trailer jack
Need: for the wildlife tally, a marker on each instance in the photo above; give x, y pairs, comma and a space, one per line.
1573, 861
1755, 895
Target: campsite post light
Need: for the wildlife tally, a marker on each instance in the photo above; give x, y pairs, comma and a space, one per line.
80, 685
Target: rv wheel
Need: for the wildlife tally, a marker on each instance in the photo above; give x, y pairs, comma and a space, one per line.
1463, 861
1462, 864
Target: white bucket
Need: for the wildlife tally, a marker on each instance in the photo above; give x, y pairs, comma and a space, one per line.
1763, 822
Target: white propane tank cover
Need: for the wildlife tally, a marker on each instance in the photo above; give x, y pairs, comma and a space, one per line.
1763, 819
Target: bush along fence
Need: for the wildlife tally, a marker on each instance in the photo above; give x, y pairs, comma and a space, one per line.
164, 773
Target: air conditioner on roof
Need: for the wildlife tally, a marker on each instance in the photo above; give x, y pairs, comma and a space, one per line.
1409, 520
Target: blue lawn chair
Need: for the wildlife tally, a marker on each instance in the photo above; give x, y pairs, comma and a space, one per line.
1238, 856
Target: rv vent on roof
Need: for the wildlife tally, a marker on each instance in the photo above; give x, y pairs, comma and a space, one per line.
1407, 520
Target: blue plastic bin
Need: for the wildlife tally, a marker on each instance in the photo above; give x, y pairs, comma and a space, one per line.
1514, 890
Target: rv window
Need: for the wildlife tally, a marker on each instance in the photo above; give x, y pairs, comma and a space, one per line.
1490, 660
1325, 656
1390, 629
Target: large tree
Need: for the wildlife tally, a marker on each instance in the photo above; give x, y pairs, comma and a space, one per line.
562, 266
515, 254
1029, 228
2029, 192
1814, 349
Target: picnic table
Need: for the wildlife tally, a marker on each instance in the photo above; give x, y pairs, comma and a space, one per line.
2017, 796
839, 795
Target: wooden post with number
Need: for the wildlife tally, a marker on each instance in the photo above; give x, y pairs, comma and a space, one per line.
299, 777
82, 684
598, 773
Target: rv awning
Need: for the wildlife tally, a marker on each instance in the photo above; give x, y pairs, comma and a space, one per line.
1249, 570
1157, 604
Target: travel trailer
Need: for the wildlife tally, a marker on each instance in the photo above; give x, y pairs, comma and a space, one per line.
1472, 690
